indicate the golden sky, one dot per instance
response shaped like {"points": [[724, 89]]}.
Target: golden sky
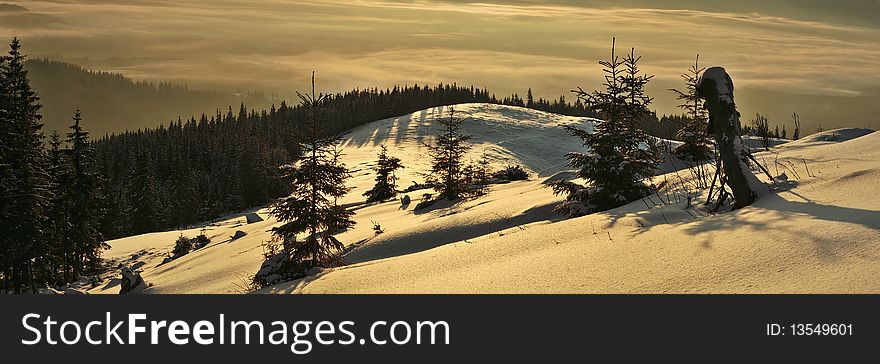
{"points": [[820, 58]]}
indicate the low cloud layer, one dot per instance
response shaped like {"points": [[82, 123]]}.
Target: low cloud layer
{"points": [[507, 46]]}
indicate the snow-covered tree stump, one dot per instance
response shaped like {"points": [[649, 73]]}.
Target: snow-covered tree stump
{"points": [[716, 88]]}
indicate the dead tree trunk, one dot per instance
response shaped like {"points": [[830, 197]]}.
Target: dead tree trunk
{"points": [[716, 88]]}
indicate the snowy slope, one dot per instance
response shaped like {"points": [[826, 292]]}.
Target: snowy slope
{"points": [[506, 135], [820, 234]]}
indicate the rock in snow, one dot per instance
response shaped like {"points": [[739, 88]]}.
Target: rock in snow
{"points": [[253, 217], [131, 281]]}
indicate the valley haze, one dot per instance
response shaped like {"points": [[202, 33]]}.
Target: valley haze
{"points": [[816, 58]]}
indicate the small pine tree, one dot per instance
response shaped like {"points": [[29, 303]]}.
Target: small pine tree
{"points": [[761, 127], [784, 134], [616, 163], [386, 181], [447, 154], [696, 146], [182, 246], [316, 181], [797, 126], [482, 171]]}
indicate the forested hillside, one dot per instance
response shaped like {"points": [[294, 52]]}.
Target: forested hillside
{"points": [[196, 170], [115, 103]]}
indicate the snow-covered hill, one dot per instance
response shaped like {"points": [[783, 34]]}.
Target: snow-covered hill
{"points": [[820, 233], [506, 135]]}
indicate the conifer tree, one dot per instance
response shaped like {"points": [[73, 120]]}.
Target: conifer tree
{"points": [[57, 226], [81, 194], [761, 127], [447, 154], [316, 181], [186, 202], [616, 162], [696, 147], [144, 196], [27, 191], [386, 181], [482, 171]]}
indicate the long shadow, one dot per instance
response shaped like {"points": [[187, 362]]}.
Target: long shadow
{"points": [[381, 132], [403, 124], [827, 247], [867, 218], [294, 285], [408, 244], [112, 283]]}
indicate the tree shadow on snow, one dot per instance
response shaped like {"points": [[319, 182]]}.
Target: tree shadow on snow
{"points": [[393, 246], [775, 209]]}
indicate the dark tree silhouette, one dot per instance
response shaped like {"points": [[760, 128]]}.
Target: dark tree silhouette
{"points": [[696, 146], [617, 160], [447, 158], [26, 192], [80, 189], [316, 181], [386, 181]]}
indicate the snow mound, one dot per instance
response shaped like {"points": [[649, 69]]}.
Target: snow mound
{"points": [[837, 135], [507, 135], [829, 136]]}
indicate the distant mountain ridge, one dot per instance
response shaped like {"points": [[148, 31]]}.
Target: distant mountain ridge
{"points": [[112, 103]]}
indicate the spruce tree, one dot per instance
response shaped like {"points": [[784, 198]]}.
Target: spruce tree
{"points": [[447, 154], [144, 196], [27, 191], [482, 171], [81, 193], [7, 137], [386, 181], [57, 227], [696, 146], [761, 127], [617, 161], [186, 199], [317, 180]]}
